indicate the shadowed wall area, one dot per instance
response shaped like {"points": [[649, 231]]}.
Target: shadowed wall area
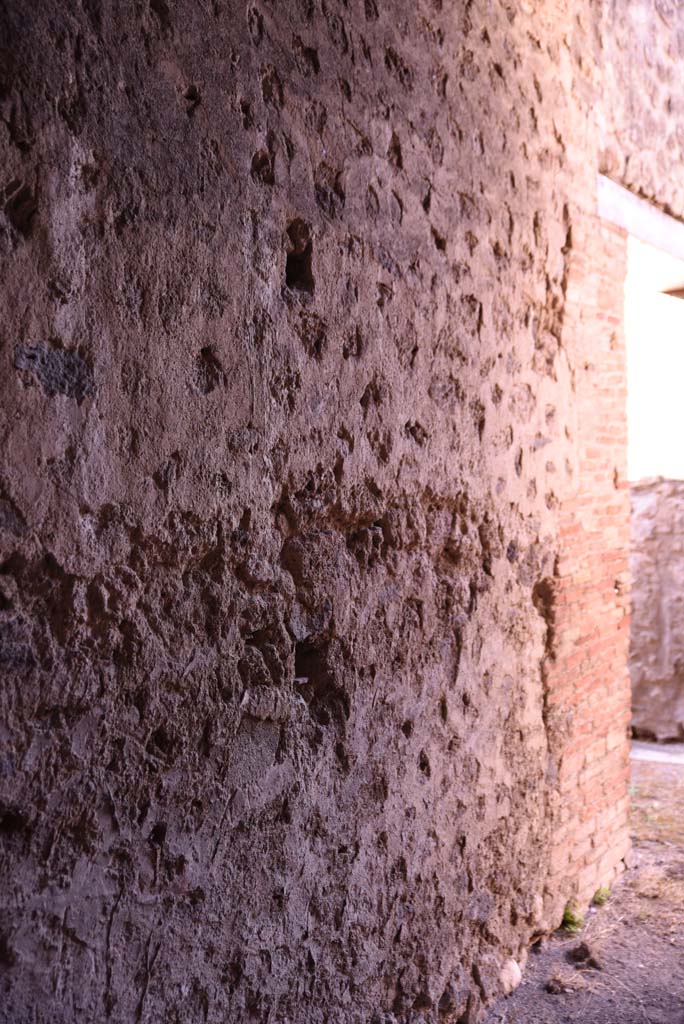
{"points": [[312, 505], [656, 655]]}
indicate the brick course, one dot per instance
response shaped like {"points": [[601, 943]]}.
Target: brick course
{"points": [[586, 674]]}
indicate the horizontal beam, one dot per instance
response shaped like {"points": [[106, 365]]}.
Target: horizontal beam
{"points": [[639, 217]]}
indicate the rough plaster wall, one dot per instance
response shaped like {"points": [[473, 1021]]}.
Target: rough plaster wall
{"points": [[285, 406], [281, 311], [657, 632]]}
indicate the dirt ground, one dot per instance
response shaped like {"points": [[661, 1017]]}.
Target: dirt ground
{"points": [[631, 967]]}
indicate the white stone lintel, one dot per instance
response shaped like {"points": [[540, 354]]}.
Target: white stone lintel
{"points": [[639, 217]]}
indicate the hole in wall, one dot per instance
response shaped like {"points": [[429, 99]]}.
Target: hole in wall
{"points": [[298, 265], [157, 836], [192, 99], [316, 678], [262, 168], [208, 370]]}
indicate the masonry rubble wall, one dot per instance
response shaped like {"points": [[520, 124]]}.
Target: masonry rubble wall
{"points": [[312, 511], [657, 645]]}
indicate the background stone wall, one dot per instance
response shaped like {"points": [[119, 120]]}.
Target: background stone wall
{"points": [[657, 636], [638, 48], [292, 410]]}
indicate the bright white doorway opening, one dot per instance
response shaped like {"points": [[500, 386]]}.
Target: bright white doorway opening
{"points": [[654, 331]]}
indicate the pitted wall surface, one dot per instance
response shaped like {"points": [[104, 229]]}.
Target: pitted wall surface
{"points": [[288, 422], [638, 49]]}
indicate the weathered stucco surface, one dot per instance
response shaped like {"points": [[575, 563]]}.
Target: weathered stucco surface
{"points": [[287, 422], [657, 631]]}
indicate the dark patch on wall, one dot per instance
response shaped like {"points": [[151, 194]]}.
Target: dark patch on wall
{"points": [[57, 371], [298, 266], [20, 205]]}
